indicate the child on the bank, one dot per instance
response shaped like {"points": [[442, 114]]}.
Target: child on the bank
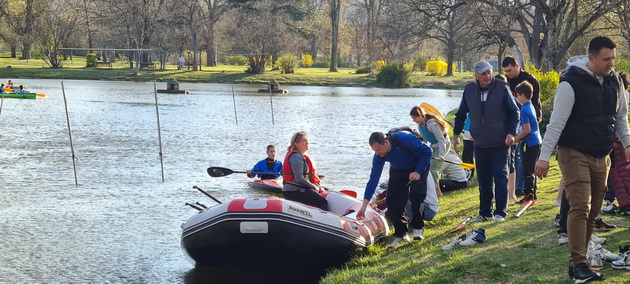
{"points": [[433, 130], [530, 136]]}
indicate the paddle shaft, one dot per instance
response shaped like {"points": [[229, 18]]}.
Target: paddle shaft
{"points": [[207, 194]]}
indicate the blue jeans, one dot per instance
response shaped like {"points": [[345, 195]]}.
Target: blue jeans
{"points": [[492, 175]]}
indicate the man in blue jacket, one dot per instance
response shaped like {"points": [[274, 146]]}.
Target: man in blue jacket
{"points": [[494, 117], [409, 161]]}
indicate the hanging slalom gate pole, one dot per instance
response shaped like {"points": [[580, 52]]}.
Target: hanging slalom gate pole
{"points": [[271, 100], [157, 112], [1, 102], [234, 102], [74, 158]]}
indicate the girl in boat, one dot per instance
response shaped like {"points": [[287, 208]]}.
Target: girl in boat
{"points": [[301, 182]]}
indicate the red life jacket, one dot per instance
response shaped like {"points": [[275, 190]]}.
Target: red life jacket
{"points": [[287, 173]]}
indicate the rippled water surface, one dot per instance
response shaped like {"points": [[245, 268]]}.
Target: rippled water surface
{"points": [[121, 224]]}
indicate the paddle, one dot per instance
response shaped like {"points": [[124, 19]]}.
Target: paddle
{"points": [[433, 111], [221, 172], [41, 95], [463, 165]]}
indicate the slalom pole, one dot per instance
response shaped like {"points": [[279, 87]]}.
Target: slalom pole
{"points": [[157, 112], [234, 102], [271, 100], [74, 158], [1, 102]]}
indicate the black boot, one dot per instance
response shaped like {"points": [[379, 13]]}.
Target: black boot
{"points": [[583, 273]]}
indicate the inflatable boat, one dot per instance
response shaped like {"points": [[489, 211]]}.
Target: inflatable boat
{"points": [[273, 232], [270, 185]]}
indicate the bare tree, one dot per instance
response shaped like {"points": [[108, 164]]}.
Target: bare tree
{"points": [[450, 21], [335, 11], [211, 11], [257, 31], [59, 27], [551, 27]]}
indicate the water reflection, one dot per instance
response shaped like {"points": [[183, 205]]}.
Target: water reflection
{"points": [[122, 225]]}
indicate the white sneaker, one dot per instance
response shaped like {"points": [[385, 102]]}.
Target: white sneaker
{"points": [[417, 234], [563, 239], [477, 236], [454, 242], [597, 240], [480, 218], [398, 241], [623, 262], [499, 218]]}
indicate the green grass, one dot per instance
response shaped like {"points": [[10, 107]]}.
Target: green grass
{"points": [[519, 250], [76, 70]]}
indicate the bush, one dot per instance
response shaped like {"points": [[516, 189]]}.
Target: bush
{"points": [[622, 65], [419, 63], [237, 60], [363, 70], [549, 82], [380, 65], [90, 60], [287, 63], [437, 67], [393, 75], [307, 60], [322, 64]]}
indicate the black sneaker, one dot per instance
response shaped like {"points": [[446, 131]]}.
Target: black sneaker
{"points": [[571, 272], [582, 274], [602, 226]]}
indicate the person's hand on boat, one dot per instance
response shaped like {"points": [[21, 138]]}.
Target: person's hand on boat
{"points": [[414, 176], [361, 212]]}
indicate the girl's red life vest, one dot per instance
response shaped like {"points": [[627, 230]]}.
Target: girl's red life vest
{"points": [[287, 173]]}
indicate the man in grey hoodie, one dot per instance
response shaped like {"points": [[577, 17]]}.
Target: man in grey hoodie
{"points": [[590, 107]]}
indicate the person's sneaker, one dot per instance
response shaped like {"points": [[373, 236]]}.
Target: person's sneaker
{"points": [[455, 242], [594, 257], [597, 240], [519, 192], [602, 226], [609, 208], [556, 221], [606, 255], [480, 218], [571, 272], [476, 236], [582, 274], [623, 262], [563, 238], [526, 198], [417, 234], [498, 218], [398, 241]]}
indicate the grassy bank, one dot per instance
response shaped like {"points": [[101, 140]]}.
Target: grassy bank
{"points": [[518, 250], [13, 69]]}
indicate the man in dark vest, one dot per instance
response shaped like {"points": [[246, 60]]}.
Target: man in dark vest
{"points": [[494, 117], [590, 107]]}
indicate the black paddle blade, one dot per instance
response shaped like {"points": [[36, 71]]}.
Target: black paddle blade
{"points": [[219, 172]]}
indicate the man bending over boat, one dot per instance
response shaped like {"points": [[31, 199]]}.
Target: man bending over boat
{"points": [[301, 183], [268, 165], [409, 161]]}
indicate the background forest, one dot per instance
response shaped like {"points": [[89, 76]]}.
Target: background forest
{"points": [[324, 33]]}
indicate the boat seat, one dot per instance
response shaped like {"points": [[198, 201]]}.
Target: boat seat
{"points": [[340, 203]]}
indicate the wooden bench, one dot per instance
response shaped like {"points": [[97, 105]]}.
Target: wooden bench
{"points": [[104, 64], [147, 65]]}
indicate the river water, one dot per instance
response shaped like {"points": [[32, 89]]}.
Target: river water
{"points": [[121, 224]]}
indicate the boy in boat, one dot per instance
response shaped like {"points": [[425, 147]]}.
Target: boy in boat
{"points": [[409, 161], [21, 90], [268, 165]]}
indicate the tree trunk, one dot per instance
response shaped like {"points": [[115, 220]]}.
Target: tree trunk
{"points": [[195, 49], [211, 53], [314, 48], [28, 29], [13, 52], [335, 7]]}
